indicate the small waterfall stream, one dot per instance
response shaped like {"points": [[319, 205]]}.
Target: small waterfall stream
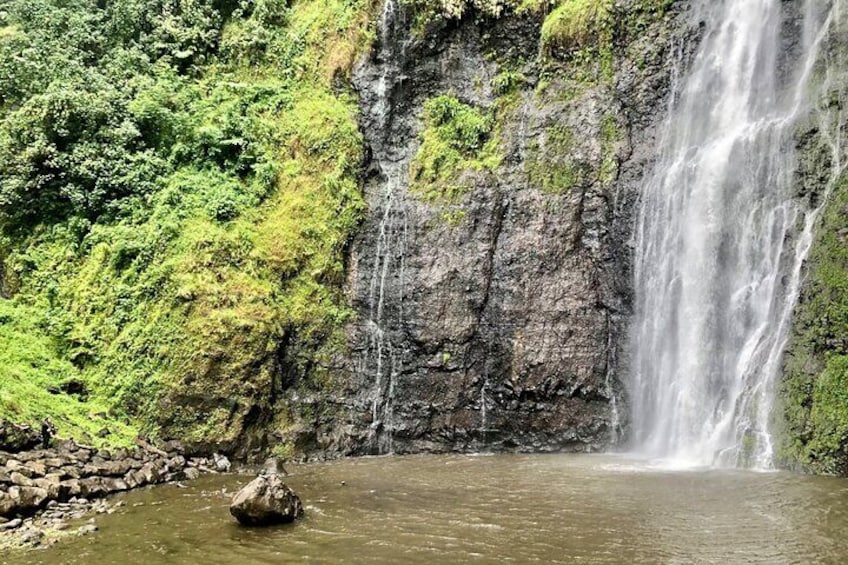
{"points": [[721, 237], [386, 285]]}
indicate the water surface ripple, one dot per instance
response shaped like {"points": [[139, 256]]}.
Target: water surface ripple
{"points": [[484, 509]]}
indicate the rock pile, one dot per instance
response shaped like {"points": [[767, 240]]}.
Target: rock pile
{"points": [[54, 523], [30, 480]]}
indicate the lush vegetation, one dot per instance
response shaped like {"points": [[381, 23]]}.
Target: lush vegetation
{"points": [[178, 182], [427, 13], [456, 138], [815, 389], [576, 24]]}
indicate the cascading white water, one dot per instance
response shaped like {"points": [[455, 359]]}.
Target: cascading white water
{"points": [[720, 239]]}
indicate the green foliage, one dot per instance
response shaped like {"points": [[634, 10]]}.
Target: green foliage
{"points": [[178, 182], [508, 82], [428, 12], [829, 414], [584, 38], [576, 24], [456, 138], [70, 151], [814, 392], [32, 369]]}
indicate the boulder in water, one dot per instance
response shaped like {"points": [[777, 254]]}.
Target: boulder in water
{"points": [[222, 464], [274, 466], [191, 473], [264, 501]]}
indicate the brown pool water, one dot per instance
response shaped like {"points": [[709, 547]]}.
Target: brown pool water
{"points": [[483, 509]]}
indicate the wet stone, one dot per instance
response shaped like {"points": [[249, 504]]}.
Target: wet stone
{"points": [[11, 524], [32, 536], [7, 505], [191, 473], [28, 498], [265, 501]]}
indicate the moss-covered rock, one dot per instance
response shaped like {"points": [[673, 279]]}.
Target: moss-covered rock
{"points": [[456, 138], [576, 24], [814, 391]]}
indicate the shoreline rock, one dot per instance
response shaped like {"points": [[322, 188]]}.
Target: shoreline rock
{"points": [[15, 438], [41, 488]]}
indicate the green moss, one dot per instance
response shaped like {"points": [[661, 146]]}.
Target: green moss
{"points": [[429, 13], [576, 24], [31, 382], [814, 391], [641, 15], [550, 164], [554, 165], [829, 414], [581, 39], [456, 138]]}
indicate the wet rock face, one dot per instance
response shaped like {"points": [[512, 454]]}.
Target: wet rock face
{"points": [[265, 501], [501, 330]]}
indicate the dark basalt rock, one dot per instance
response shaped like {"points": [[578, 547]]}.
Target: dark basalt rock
{"points": [[499, 330], [265, 501], [32, 480]]}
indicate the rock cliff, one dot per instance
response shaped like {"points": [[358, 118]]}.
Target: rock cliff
{"points": [[491, 309]]}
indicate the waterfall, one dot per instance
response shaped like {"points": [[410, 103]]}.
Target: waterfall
{"points": [[721, 236]]}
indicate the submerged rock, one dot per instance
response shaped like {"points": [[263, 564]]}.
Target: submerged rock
{"points": [[264, 501], [191, 473]]}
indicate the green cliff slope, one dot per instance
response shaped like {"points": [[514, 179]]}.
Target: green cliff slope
{"points": [[178, 182]]}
